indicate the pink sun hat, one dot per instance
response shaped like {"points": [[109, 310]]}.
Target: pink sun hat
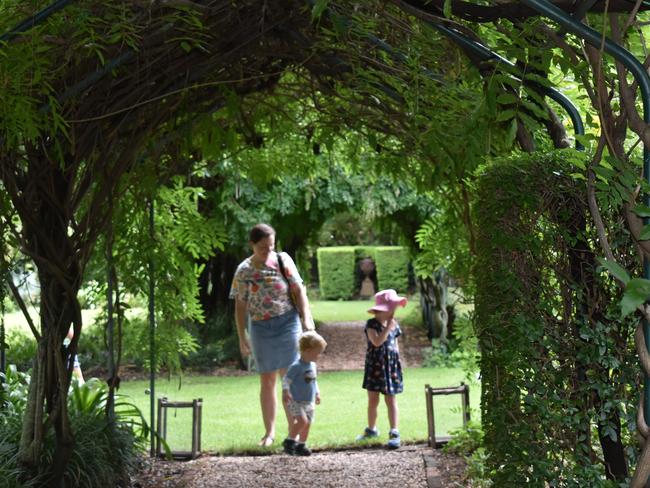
{"points": [[387, 301]]}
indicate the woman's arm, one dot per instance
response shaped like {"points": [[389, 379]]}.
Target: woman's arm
{"points": [[302, 303], [241, 310], [297, 290]]}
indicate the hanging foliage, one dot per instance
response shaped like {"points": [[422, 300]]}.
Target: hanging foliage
{"points": [[557, 357]]}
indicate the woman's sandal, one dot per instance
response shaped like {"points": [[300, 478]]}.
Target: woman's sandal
{"points": [[266, 441]]}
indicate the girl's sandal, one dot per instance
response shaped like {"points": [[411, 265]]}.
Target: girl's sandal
{"points": [[266, 441]]}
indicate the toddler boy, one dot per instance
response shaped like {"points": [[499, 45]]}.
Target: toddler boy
{"points": [[300, 393]]}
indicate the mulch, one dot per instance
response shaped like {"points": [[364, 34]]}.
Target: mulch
{"points": [[346, 346]]}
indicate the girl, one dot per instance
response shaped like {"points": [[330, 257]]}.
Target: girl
{"points": [[383, 371]]}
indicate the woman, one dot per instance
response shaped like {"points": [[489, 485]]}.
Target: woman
{"points": [[263, 288]]}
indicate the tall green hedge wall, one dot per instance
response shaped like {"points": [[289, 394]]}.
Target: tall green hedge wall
{"points": [[336, 269], [336, 272], [392, 268]]}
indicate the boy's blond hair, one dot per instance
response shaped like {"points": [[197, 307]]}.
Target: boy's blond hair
{"points": [[310, 340]]}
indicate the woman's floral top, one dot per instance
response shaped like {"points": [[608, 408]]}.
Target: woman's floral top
{"points": [[263, 288]]}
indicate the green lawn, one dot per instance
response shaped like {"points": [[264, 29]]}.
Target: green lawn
{"points": [[16, 320], [323, 311], [346, 311], [232, 420]]}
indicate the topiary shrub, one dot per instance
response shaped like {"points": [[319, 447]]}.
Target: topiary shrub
{"points": [[392, 267], [339, 277], [336, 271]]}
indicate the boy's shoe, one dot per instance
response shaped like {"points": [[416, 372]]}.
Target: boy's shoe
{"points": [[301, 450], [393, 439], [289, 446], [368, 433]]}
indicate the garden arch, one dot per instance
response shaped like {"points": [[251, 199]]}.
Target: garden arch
{"points": [[144, 121]]}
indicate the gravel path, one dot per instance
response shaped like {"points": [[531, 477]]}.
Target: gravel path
{"points": [[403, 468]]}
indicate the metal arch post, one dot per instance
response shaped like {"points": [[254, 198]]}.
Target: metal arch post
{"points": [[34, 20], [594, 38], [152, 335]]}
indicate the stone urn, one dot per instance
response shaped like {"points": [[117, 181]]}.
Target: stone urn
{"points": [[367, 266]]}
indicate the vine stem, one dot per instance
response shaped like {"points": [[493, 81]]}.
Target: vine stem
{"points": [[642, 472]]}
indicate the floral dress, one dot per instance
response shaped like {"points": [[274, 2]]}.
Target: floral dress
{"points": [[383, 371]]}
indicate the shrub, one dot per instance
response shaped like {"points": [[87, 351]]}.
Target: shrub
{"points": [[173, 342], [104, 454], [461, 351], [465, 440], [392, 268], [21, 349], [92, 350], [336, 271], [213, 354]]}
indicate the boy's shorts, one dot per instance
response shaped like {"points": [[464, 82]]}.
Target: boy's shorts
{"points": [[298, 409]]}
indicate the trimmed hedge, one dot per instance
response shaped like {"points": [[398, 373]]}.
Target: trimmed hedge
{"points": [[392, 267], [336, 272], [337, 265]]}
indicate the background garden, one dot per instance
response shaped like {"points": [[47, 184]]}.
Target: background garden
{"points": [[140, 141]]}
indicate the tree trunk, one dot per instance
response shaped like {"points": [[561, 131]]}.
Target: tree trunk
{"points": [[46, 225], [214, 284]]}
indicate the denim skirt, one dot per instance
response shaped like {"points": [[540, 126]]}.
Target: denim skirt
{"points": [[275, 341]]}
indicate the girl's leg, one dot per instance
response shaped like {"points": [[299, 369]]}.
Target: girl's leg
{"points": [[373, 403], [268, 401], [393, 411]]}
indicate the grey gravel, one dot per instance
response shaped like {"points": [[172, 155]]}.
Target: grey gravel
{"points": [[403, 468]]}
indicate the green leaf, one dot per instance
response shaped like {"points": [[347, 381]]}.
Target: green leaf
{"points": [[585, 139], [446, 9], [645, 233], [615, 269], [512, 131], [637, 292], [318, 9], [642, 210], [507, 98], [505, 115]]}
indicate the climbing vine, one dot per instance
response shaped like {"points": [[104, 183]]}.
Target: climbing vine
{"points": [[559, 372]]}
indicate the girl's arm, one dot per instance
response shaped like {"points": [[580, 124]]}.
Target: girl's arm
{"points": [[378, 338]]}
